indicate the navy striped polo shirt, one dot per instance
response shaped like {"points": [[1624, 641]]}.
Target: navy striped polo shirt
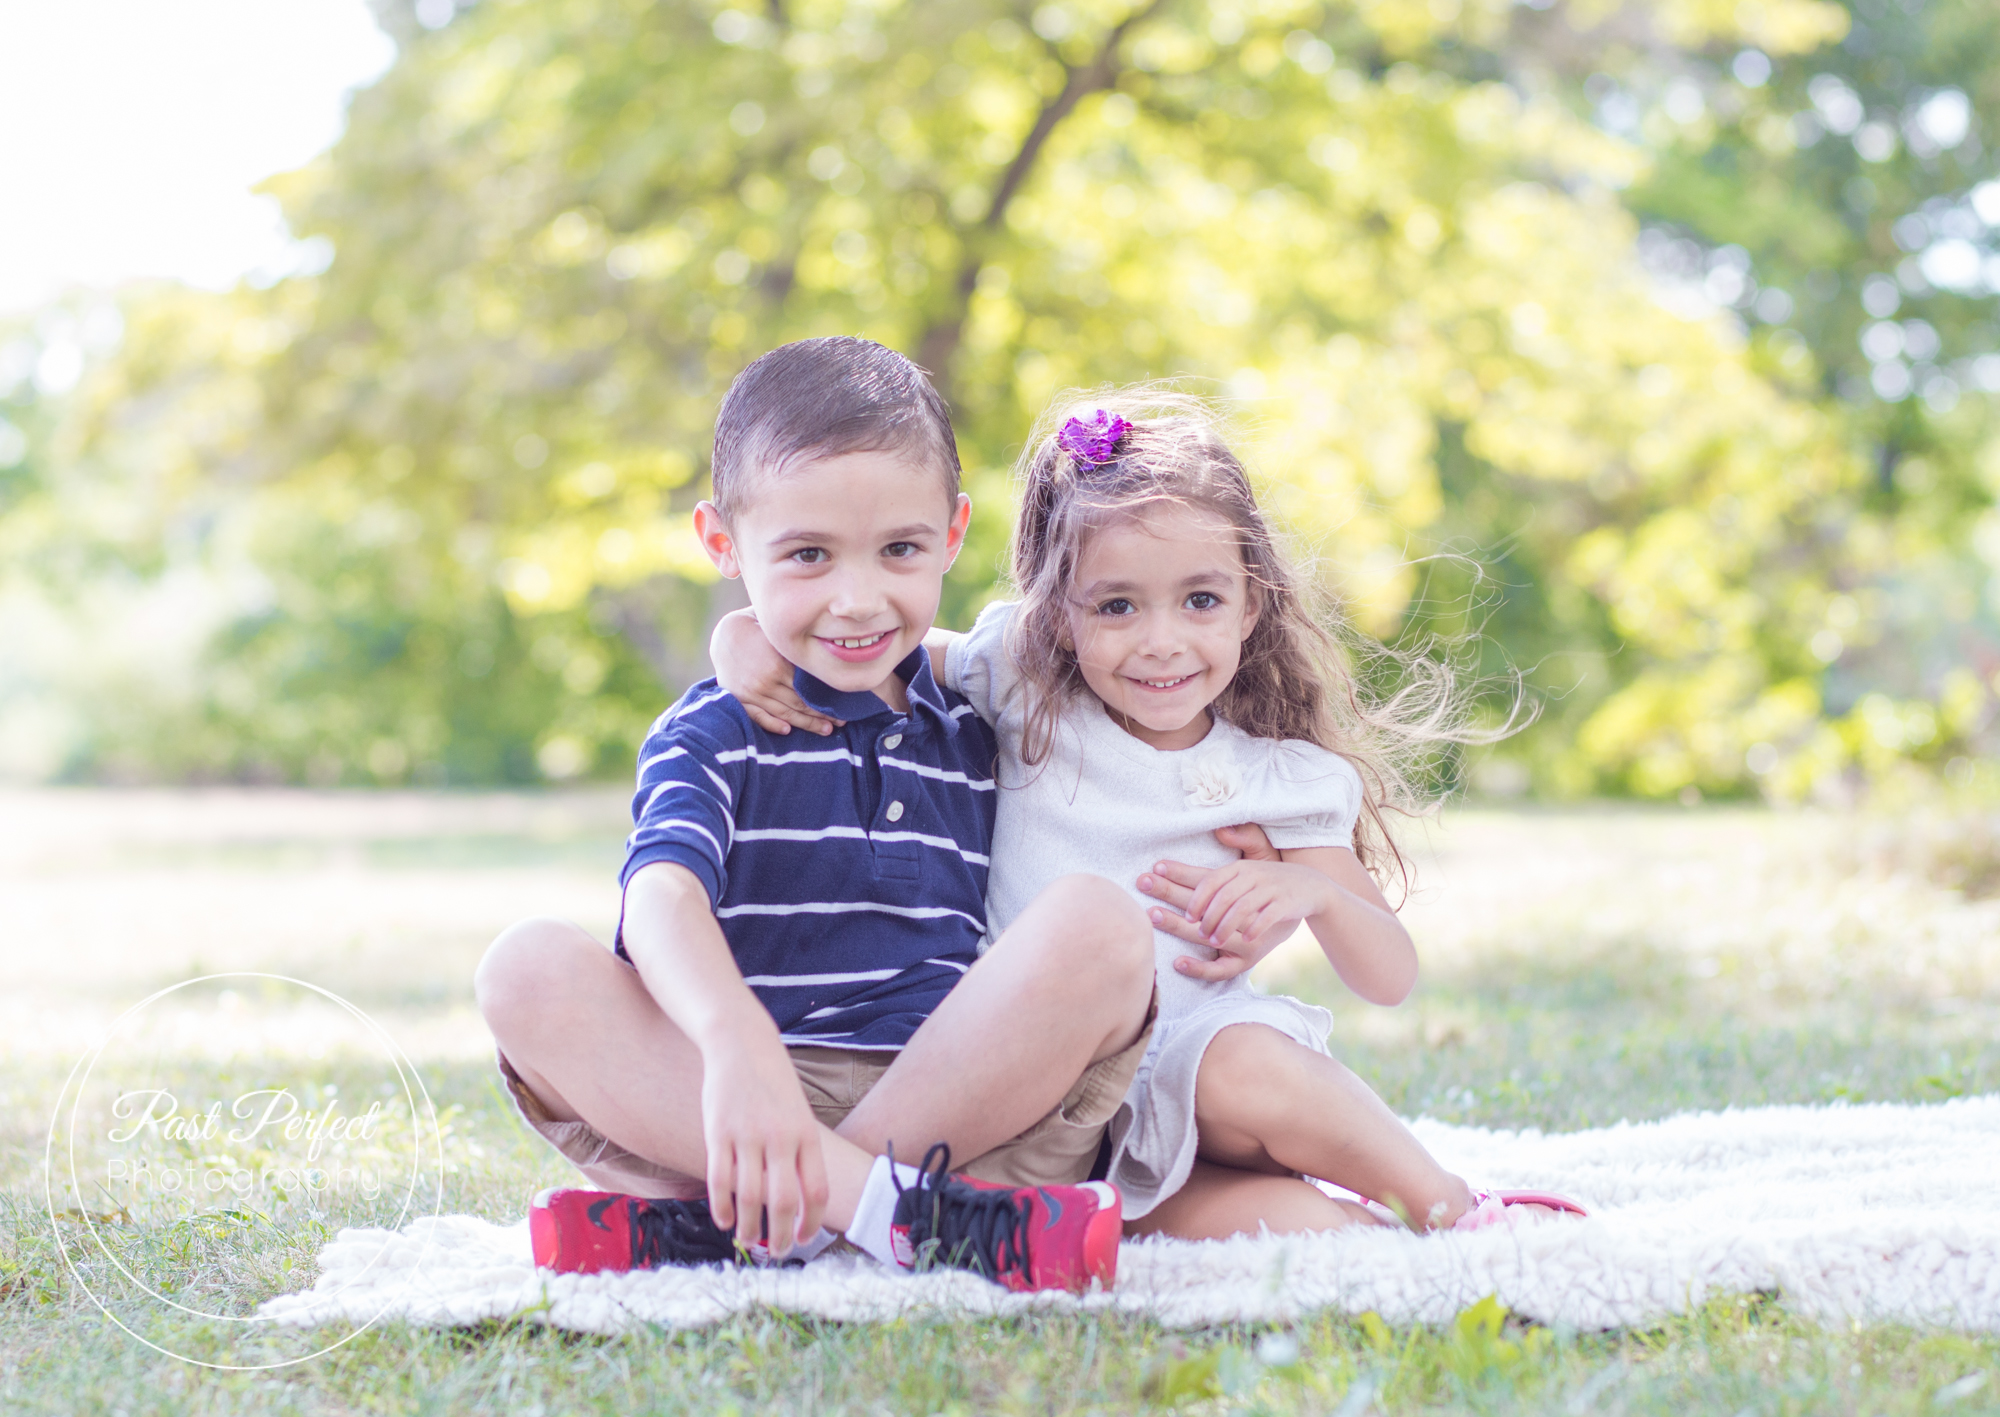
{"points": [[848, 872]]}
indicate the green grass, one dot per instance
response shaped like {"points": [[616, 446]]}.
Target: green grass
{"points": [[1558, 1003]]}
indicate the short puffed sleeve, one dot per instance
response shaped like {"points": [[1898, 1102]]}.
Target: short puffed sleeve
{"points": [[1322, 796], [978, 665]]}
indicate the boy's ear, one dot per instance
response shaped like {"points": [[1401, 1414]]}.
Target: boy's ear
{"points": [[716, 540], [954, 536]]}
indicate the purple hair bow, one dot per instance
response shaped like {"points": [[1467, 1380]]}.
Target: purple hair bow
{"points": [[1095, 443]]}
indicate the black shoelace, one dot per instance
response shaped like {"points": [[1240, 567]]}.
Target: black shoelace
{"points": [[959, 1225], [677, 1232]]}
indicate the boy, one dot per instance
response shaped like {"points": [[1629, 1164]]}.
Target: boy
{"points": [[798, 986]]}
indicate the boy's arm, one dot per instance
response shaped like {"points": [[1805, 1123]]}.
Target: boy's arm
{"points": [[762, 1139]]}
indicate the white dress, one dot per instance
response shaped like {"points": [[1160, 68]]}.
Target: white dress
{"points": [[1137, 805]]}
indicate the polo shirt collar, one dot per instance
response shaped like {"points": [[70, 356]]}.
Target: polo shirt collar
{"points": [[926, 697]]}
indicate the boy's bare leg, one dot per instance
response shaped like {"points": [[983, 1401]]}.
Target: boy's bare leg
{"points": [[587, 1038], [1066, 986], [1220, 1201], [1264, 1103]]}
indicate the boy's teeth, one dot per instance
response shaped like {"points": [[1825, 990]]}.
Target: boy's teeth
{"points": [[860, 643]]}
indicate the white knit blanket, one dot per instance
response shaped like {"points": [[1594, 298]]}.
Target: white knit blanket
{"points": [[1882, 1212]]}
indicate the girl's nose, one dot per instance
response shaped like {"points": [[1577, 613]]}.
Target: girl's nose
{"points": [[1159, 639]]}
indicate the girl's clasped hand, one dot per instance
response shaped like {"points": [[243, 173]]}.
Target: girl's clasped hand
{"points": [[1241, 911]]}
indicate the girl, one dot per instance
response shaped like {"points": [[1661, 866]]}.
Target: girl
{"points": [[1158, 684]]}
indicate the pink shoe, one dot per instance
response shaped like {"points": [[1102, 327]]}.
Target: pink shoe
{"points": [[1490, 1207]]}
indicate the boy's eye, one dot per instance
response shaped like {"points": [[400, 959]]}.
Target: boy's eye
{"points": [[1204, 600], [1118, 606], [899, 550], [809, 555]]}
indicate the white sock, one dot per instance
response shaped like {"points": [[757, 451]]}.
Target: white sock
{"points": [[804, 1252], [876, 1209], [813, 1246]]}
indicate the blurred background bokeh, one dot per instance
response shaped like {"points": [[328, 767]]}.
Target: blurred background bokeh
{"points": [[1650, 350]]}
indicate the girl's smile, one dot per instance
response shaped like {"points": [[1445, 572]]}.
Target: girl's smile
{"points": [[1161, 610]]}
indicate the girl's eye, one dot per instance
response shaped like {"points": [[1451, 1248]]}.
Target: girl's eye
{"points": [[1204, 600], [809, 555], [1120, 606]]}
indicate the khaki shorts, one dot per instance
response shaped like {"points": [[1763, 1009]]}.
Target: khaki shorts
{"points": [[1060, 1149]]}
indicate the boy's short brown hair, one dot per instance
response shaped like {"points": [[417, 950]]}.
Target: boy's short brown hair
{"points": [[822, 398]]}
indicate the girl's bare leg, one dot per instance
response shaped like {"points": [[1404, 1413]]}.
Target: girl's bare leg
{"points": [[1220, 1201], [1265, 1103]]}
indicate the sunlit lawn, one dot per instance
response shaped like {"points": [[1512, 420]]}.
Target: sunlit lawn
{"points": [[1580, 967]]}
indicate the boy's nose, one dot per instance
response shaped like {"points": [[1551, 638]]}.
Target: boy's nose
{"points": [[857, 596]]}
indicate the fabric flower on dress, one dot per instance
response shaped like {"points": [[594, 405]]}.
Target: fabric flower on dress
{"points": [[1210, 780]]}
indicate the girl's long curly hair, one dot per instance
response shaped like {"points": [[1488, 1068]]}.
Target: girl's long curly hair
{"points": [[1298, 676]]}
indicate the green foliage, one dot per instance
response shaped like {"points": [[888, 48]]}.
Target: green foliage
{"points": [[446, 480]]}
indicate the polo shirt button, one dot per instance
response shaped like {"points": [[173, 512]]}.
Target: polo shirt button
{"points": [[895, 812], [894, 740]]}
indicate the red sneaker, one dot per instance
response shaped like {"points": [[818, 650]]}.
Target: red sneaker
{"points": [[1031, 1237], [583, 1232]]}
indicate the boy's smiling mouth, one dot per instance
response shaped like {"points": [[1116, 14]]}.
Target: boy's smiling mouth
{"points": [[858, 648]]}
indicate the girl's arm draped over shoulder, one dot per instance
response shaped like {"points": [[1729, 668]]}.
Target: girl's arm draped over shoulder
{"points": [[976, 664], [939, 643], [760, 678]]}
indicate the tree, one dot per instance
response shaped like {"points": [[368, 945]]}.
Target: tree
{"points": [[557, 230]]}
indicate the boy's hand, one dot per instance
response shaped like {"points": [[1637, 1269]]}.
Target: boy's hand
{"points": [[760, 677], [1249, 842], [765, 1168]]}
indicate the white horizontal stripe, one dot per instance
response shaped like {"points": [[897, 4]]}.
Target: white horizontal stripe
{"points": [[961, 711], [685, 709], [827, 755], [875, 976], [842, 1041], [665, 787], [659, 758], [943, 843], [800, 834], [849, 907], [977, 784], [660, 829], [801, 981]]}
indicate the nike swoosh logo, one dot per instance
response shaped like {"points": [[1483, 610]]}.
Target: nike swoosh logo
{"points": [[597, 1209], [1055, 1210]]}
